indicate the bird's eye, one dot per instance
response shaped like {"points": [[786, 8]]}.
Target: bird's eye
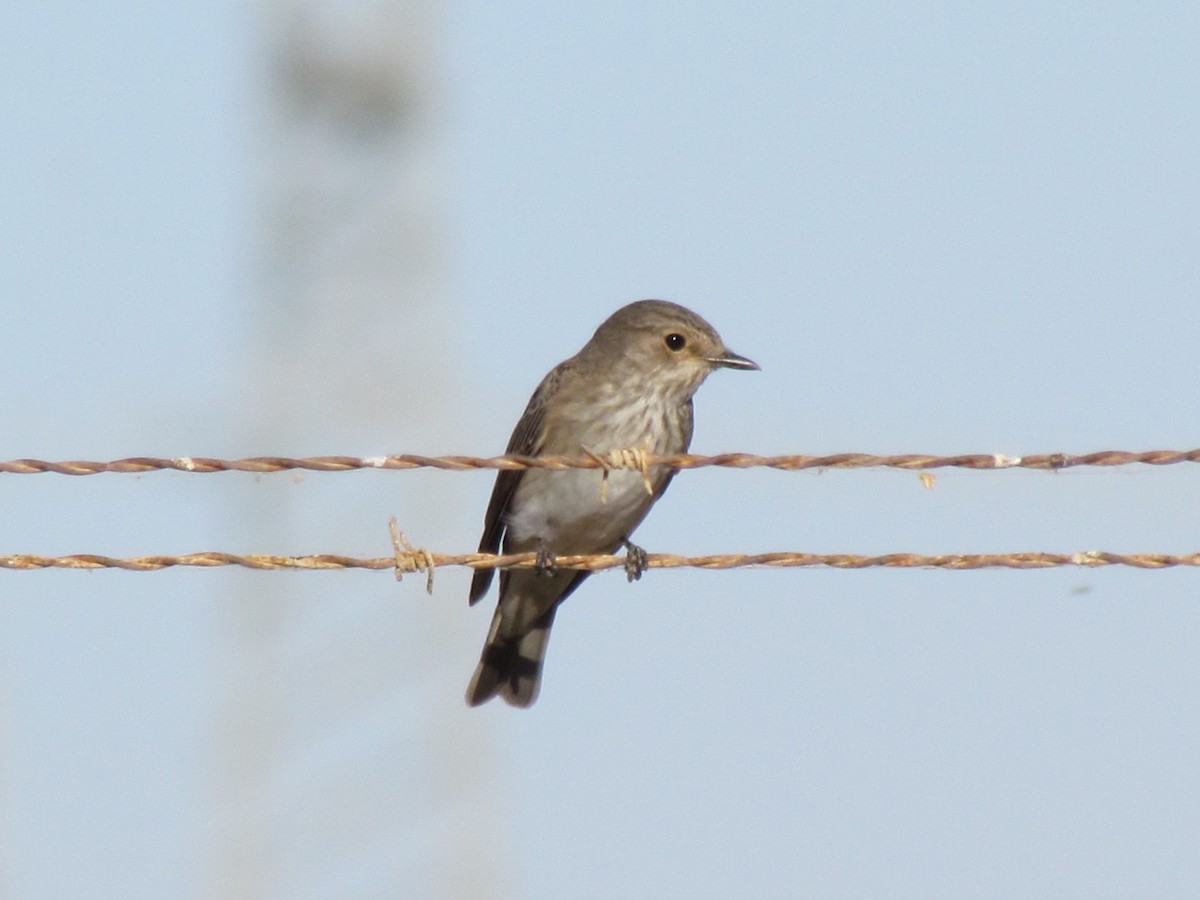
{"points": [[676, 342]]}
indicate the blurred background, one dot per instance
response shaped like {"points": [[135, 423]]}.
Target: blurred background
{"points": [[363, 228]]}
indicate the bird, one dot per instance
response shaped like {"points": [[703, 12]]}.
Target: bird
{"points": [[629, 388]]}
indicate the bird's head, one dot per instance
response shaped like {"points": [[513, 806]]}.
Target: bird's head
{"points": [[665, 344]]}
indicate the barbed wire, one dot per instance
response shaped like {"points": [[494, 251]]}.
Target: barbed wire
{"points": [[415, 560], [138, 465], [406, 559]]}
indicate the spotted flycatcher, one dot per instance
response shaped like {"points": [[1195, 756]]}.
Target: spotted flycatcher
{"points": [[629, 388]]}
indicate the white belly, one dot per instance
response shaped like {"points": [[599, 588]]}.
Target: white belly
{"points": [[568, 512]]}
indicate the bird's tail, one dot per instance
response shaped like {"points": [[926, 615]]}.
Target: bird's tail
{"points": [[511, 667]]}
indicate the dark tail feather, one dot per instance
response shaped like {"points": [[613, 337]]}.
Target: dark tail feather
{"points": [[511, 667]]}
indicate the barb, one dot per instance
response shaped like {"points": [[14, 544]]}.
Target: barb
{"points": [[427, 561], [138, 465], [408, 558]]}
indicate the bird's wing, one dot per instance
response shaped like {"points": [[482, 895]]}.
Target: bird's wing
{"points": [[526, 440]]}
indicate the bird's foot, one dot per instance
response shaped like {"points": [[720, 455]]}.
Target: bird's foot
{"points": [[636, 561], [545, 563]]}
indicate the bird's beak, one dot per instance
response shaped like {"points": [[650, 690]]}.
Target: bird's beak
{"points": [[731, 360]]}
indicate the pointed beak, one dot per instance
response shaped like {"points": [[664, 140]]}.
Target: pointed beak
{"points": [[731, 360]]}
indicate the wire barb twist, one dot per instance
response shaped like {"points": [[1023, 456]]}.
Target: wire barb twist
{"points": [[409, 559]]}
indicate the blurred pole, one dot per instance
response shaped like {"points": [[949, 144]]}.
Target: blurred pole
{"points": [[349, 763]]}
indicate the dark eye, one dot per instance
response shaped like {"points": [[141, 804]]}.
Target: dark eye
{"points": [[676, 342]]}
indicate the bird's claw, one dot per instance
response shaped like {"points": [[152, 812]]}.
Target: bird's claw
{"points": [[545, 562], [636, 561]]}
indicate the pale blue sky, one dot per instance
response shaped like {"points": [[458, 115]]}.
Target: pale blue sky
{"points": [[937, 227]]}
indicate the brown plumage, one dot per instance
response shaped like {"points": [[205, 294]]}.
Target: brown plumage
{"points": [[630, 387]]}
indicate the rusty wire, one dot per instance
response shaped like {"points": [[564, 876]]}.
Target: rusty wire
{"points": [[407, 559], [421, 561], [911, 461]]}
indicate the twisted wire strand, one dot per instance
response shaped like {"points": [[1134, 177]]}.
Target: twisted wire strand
{"points": [[138, 465], [423, 561]]}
